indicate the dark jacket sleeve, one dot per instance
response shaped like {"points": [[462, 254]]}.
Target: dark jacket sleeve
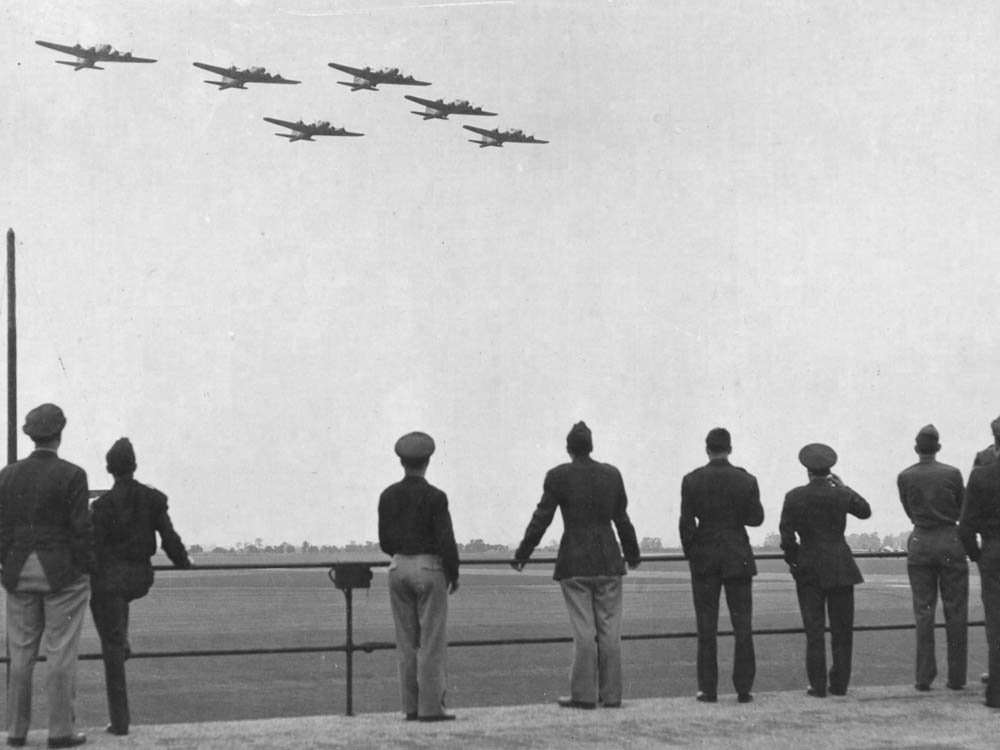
{"points": [[539, 522], [626, 531], [386, 528], [970, 520], [858, 506], [755, 512], [170, 540], [789, 542], [688, 523], [82, 530], [444, 536]]}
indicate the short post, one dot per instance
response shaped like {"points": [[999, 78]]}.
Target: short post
{"points": [[347, 577]]}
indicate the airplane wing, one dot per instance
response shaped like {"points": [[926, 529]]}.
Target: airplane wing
{"points": [[125, 58], [525, 139], [277, 79], [406, 81], [483, 131], [356, 72], [426, 102], [286, 124], [75, 51], [234, 74]]}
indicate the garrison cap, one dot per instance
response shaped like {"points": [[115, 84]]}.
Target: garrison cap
{"points": [[44, 422], [121, 458], [718, 439], [817, 456], [415, 445], [580, 439], [995, 426], [928, 437]]}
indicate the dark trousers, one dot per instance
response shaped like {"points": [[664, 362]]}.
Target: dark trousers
{"points": [[990, 582], [739, 599], [936, 562], [816, 604], [110, 611]]}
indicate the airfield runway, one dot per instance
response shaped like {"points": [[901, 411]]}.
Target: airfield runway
{"points": [[206, 609]]}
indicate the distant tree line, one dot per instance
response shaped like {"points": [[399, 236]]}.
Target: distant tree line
{"points": [[870, 542], [306, 547]]}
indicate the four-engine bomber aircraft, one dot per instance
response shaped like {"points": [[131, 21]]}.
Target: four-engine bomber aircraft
{"points": [[366, 78], [88, 57], [305, 132], [238, 78], [440, 109], [498, 137]]}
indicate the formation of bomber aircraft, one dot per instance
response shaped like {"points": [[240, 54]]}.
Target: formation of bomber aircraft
{"points": [[366, 78]]}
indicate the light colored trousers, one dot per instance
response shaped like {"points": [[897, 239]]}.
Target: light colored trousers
{"points": [[418, 593], [936, 562], [595, 615], [59, 617]]}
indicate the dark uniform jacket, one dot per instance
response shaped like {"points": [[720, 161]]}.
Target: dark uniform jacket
{"points": [[931, 493], [43, 509], [817, 513], [591, 496], [413, 519], [981, 516], [127, 519], [718, 502], [987, 455]]}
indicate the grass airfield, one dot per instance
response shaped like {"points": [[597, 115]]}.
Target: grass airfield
{"points": [[209, 609]]}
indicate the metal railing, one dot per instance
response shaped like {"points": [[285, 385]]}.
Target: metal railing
{"points": [[348, 576]]}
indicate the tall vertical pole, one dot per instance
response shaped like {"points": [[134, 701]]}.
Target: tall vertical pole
{"points": [[11, 353]]}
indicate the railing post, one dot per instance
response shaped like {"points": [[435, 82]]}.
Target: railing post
{"points": [[347, 577]]}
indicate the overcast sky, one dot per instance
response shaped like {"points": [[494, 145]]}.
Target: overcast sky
{"points": [[774, 216]]}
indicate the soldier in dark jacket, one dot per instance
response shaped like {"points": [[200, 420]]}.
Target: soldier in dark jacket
{"points": [[812, 537], [980, 519], [931, 493], [589, 565], [990, 453], [46, 549], [414, 526], [718, 502], [126, 519]]}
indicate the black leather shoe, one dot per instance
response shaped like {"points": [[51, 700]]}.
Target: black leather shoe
{"points": [[923, 687], [618, 704], [953, 686], [16, 741], [570, 703], [117, 731], [815, 692], [838, 692], [437, 717], [706, 697], [71, 740], [744, 698], [412, 716]]}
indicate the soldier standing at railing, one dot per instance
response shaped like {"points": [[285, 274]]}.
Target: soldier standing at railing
{"points": [[823, 567], [931, 493], [981, 518], [46, 546], [127, 519], [414, 526], [718, 502], [589, 566]]}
